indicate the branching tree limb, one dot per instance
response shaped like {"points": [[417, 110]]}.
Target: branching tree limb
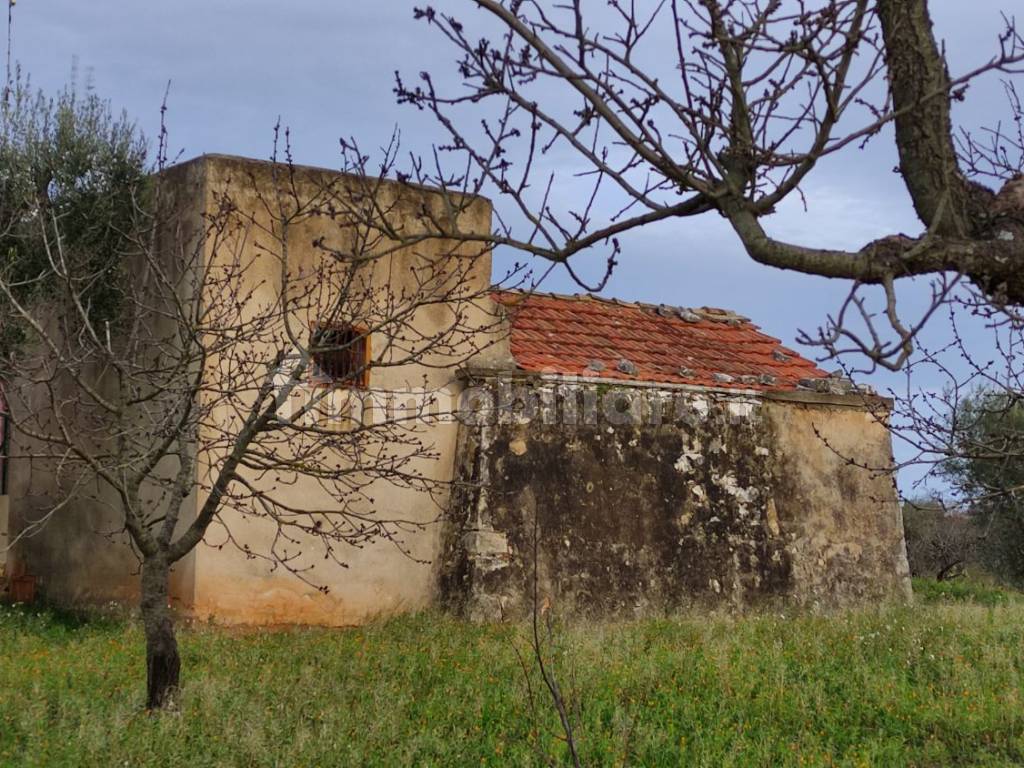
{"points": [[685, 107]]}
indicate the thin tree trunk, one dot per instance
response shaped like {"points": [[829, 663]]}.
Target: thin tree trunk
{"points": [[163, 665], [949, 571]]}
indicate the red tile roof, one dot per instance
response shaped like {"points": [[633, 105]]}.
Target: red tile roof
{"points": [[604, 338]]}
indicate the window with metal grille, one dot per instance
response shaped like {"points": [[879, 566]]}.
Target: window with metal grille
{"points": [[341, 356]]}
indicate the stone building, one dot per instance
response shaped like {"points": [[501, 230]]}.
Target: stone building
{"points": [[647, 458], [626, 458]]}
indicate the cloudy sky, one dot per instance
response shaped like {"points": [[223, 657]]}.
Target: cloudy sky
{"points": [[326, 69]]}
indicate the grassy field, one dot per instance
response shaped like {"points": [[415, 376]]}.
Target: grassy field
{"points": [[937, 684]]}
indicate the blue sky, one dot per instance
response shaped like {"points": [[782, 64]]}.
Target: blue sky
{"points": [[326, 69]]}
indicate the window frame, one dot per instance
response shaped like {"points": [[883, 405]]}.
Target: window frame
{"points": [[317, 378]]}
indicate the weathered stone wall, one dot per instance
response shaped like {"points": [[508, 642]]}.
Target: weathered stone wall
{"points": [[639, 500]]}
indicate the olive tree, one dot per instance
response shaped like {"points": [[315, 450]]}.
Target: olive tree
{"points": [[985, 468]]}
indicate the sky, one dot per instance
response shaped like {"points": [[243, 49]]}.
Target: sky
{"points": [[326, 70]]}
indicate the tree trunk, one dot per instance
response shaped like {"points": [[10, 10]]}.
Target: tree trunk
{"points": [[919, 85], [163, 665], [948, 572]]}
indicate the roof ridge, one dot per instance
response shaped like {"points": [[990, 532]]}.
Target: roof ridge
{"points": [[726, 314]]}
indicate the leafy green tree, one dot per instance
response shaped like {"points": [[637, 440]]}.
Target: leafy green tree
{"points": [[986, 469], [68, 165]]}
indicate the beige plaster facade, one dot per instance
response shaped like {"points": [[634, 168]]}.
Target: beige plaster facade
{"points": [[78, 559], [836, 500], [378, 578]]}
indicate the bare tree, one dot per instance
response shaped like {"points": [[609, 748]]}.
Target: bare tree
{"points": [[966, 432], [687, 107], [681, 108], [940, 542], [226, 368], [543, 651]]}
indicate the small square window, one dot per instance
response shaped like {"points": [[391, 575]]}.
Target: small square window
{"points": [[341, 356]]}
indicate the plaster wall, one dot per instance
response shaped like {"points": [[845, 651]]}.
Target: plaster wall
{"points": [[377, 577]]}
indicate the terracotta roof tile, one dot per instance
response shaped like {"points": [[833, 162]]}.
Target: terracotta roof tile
{"points": [[589, 336]]}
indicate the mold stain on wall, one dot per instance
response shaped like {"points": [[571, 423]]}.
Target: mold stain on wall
{"points": [[655, 500]]}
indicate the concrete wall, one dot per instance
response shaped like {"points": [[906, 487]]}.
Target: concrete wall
{"points": [[640, 500]]}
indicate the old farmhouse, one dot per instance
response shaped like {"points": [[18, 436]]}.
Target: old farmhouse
{"points": [[625, 457]]}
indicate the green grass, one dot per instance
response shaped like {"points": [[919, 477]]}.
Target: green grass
{"points": [[937, 684], [969, 590]]}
